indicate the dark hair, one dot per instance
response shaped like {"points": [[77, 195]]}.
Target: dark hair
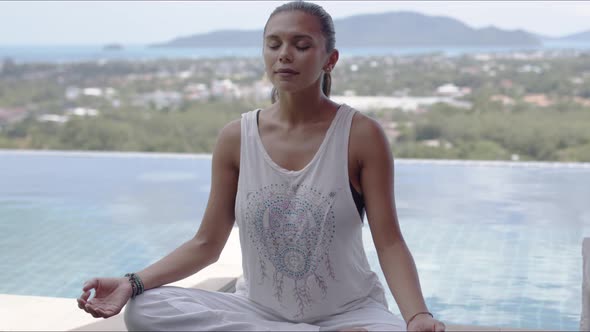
{"points": [[327, 26]]}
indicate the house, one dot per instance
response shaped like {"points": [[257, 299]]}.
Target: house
{"points": [[196, 91], [504, 100], [538, 99], [225, 89], [53, 118], [93, 92], [81, 111], [160, 100], [582, 101], [12, 115], [448, 90]]}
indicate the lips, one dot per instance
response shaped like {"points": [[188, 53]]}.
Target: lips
{"points": [[286, 71]]}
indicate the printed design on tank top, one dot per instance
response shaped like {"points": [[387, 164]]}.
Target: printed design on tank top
{"points": [[292, 227]]}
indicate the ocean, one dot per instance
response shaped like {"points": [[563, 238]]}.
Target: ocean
{"points": [[79, 53]]}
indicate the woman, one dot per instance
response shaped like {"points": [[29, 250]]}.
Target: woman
{"points": [[297, 178]]}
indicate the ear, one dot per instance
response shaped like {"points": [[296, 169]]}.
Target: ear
{"points": [[332, 60]]}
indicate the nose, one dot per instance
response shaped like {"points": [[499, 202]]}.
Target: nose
{"points": [[284, 56]]}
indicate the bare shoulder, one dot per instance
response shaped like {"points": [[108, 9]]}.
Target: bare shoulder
{"points": [[364, 126], [227, 147], [231, 131], [367, 137]]}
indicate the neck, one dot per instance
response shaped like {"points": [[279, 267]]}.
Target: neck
{"points": [[303, 106]]}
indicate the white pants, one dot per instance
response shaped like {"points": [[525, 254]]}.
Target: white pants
{"points": [[184, 309]]}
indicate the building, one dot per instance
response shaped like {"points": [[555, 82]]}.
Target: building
{"points": [[408, 104], [540, 100], [504, 100], [12, 115], [82, 111]]}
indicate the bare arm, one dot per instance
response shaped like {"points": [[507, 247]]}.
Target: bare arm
{"points": [[376, 174], [206, 246]]}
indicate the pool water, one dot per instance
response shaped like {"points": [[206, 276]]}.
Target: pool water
{"points": [[494, 244]]}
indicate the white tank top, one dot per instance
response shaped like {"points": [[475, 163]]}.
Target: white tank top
{"points": [[300, 231]]}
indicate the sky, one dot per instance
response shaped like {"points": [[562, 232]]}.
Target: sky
{"points": [[144, 22]]}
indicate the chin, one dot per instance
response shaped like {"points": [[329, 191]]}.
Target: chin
{"points": [[291, 87], [287, 87]]}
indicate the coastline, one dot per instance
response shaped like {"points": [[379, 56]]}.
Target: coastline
{"points": [[140, 52], [402, 161]]}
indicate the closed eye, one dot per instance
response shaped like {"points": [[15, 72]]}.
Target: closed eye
{"points": [[302, 49]]}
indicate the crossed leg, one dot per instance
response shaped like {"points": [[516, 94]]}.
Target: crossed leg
{"points": [[370, 315], [184, 309]]}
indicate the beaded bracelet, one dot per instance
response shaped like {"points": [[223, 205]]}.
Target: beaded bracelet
{"points": [[136, 284], [419, 313]]}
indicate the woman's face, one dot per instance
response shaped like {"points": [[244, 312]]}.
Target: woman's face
{"points": [[294, 51]]}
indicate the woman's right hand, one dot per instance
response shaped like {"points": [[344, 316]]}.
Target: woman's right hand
{"points": [[110, 296]]}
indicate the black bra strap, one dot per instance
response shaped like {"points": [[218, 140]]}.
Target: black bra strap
{"points": [[258, 118]]}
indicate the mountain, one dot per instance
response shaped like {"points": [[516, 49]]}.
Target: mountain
{"points": [[413, 29], [387, 29], [580, 37], [544, 38]]}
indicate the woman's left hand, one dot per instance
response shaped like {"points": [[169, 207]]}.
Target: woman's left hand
{"points": [[426, 323]]}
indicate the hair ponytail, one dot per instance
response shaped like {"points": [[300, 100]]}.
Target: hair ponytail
{"points": [[327, 84], [274, 95]]}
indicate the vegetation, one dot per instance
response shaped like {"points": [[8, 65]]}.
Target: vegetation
{"points": [[130, 119], [495, 135], [192, 131]]}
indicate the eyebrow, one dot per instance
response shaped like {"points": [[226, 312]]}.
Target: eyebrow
{"points": [[294, 37]]}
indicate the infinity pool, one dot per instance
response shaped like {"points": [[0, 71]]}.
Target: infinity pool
{"points": [[494, 244]]}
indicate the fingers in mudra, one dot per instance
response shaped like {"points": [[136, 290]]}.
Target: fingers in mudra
{"points": [[109, 297], [104, 308]]}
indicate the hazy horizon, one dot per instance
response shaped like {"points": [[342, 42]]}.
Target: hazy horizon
{"points": [[146, 22]]}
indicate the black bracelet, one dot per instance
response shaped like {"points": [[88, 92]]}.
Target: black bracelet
{"points": [[419, 313], [136, 284], [133, 289]]}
